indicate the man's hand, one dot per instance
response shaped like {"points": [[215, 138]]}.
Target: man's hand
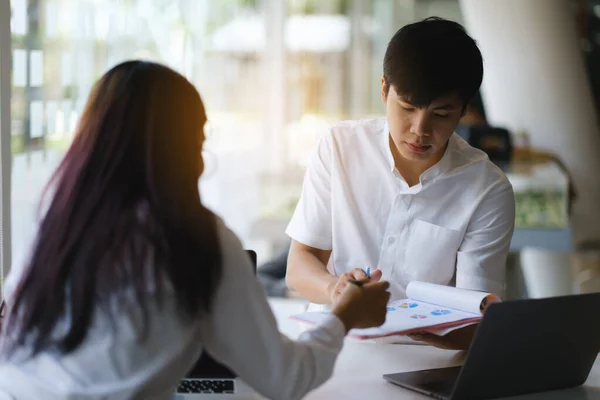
{"points": [[459, 339], [335, 289]]}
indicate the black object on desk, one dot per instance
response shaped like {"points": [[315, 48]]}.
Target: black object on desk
{"points": [[521, 347], [494, 141]]}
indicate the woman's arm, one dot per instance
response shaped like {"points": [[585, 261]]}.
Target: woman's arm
{"points": [[242, 333]]}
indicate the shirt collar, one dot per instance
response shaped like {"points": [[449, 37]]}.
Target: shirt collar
{"points": [[432, 173]]}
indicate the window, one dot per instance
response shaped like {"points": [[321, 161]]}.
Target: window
{"points": [[4, 143], [272, 74]]}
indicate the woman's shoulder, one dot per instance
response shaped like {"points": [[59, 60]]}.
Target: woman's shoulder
{"points": [[233, 254], [227, 238]]}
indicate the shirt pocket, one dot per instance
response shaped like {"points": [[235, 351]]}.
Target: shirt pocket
{"points": [[430, 255]]}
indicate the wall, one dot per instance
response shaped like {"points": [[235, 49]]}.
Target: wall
{"points": [[535, 80]]}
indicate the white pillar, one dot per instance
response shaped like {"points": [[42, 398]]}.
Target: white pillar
{"points": [[535, 79]]}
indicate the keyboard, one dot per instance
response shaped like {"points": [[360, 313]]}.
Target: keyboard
{"points": [[206, 386]]}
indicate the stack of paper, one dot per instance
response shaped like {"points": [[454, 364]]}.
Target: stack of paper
{"points": [[429, 308]]}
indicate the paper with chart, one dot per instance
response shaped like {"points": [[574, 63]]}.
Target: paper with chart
{"points": [[470, 301], [433, 308]]}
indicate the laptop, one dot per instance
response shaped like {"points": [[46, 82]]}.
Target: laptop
{"points": [[211, 379], [521, 347]]}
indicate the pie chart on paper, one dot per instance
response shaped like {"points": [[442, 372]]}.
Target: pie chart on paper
{"points": [[408, 305]]}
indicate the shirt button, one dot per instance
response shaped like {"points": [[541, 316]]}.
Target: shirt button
{"points": [[391, 240]]}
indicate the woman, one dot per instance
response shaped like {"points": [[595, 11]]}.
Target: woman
{"points": [[131, 278]]}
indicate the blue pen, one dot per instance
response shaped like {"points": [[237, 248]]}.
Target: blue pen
{"points": [[369, 272]]}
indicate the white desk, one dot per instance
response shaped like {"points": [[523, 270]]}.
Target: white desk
{"points": [[358, 372]]}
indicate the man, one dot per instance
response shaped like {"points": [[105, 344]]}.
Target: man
{"points": [[404, 195]]}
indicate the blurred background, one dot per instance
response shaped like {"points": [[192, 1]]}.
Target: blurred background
{"points": [[275, 73]]}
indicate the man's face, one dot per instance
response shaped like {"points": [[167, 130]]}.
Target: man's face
{"points": [[421, 134]]}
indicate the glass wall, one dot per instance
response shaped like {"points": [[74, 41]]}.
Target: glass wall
{"points": [[5, 154], [273, 75]]}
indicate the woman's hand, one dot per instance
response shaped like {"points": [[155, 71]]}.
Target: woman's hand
{"points": [[363, 305]]}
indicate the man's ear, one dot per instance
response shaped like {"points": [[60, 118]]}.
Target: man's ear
{"points": [[464, 110], [384, 90]]}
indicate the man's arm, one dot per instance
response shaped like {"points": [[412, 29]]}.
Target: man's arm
{"points": [[481, 259], [310, 230], [308, 277], [312, 237], [307, 273]]}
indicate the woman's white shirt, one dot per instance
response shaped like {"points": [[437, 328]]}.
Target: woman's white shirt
{"points": [[241, 332]]}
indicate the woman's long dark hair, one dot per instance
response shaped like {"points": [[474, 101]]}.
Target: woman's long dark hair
{"points": [[125, 207]]}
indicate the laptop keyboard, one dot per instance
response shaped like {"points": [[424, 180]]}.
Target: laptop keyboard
{"points": [[206, 386]]}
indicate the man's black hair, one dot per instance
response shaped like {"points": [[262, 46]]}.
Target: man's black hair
{"points": [[432, 58]]}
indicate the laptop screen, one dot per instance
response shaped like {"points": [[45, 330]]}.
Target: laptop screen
{"points": [[207, 367]]}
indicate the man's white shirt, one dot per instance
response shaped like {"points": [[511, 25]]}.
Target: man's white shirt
{"points": [[454, 226]]}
